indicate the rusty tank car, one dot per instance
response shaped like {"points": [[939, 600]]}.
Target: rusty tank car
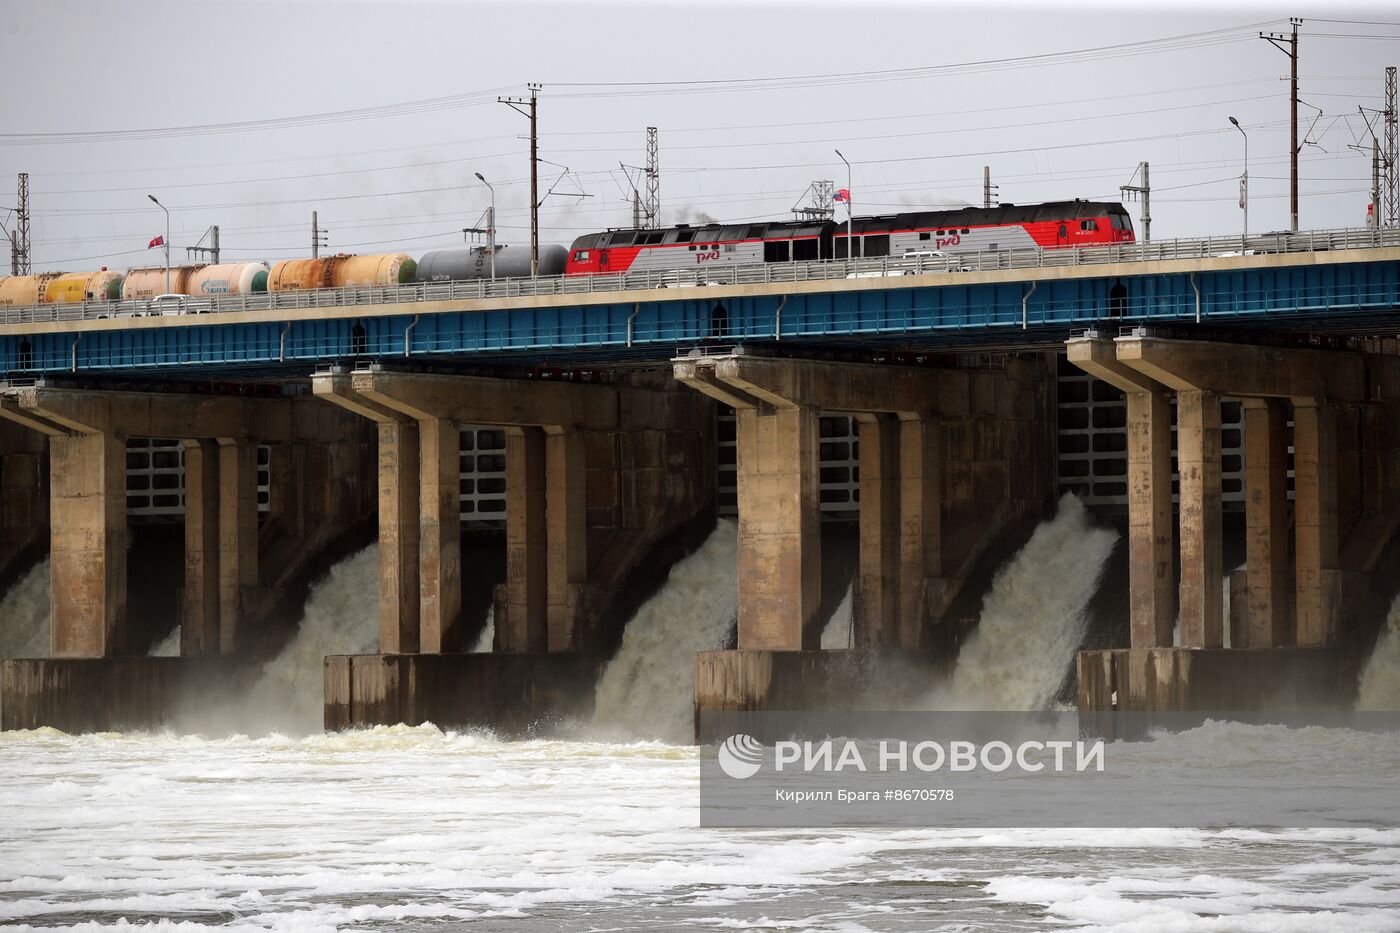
{"points": [[341, 271]]}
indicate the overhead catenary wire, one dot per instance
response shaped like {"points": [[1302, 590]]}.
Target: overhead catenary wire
{"points": [[477, 98], [706, 147], [1096, 53], [441, 189]]}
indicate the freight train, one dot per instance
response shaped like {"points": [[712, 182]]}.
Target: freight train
{"points": [[1048, 226]]}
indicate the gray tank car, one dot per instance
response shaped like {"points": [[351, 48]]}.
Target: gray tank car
{"points": [[449, 265]]}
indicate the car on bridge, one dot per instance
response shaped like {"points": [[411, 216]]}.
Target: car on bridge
{"points": [[916, 262]]}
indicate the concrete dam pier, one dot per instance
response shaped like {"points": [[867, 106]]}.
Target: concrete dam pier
{"points": [[953, 463], [1322, 506], [601, 480], [238, 560]]}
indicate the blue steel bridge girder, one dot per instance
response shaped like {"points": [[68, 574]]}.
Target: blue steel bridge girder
{"points": [[947, 311]]}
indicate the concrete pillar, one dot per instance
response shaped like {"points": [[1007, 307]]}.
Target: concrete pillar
{"points": [[877, 582], [1268, 623], [87, 483], [398, 537], [526, 623], [238, 538], [440, 536], [1198, 465], [1151, 531], [779, 537], [199, 627], [920, 527], [1315, 505], [566, 536]]}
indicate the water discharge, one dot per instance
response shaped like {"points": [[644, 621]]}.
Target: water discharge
{"points": [[169, 646], [24, 615], [837, 634], [487, 639], [341, 617], [648, 689], [1034, 618], [1380, 678]]}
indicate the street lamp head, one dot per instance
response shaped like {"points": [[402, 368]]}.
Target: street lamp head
{"points": [[153, 198], [1234, 121], [480, 178]]}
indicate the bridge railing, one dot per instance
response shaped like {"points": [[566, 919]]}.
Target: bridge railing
{"points": [[994, 313], [756, 273]]}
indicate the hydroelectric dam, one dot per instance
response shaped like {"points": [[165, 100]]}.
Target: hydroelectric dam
{"points": [[541, 453]]}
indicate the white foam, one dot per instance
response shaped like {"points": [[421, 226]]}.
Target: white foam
{"points": [[413, 825]]}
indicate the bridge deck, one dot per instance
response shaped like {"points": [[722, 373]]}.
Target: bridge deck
{"points": [[1334, 290]]}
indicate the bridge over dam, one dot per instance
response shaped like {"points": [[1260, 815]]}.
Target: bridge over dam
{"points": [[551, 447]]}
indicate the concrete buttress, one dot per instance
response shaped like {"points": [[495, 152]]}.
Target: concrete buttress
{"points": [[199, 634], [1198, 465], [1267, 619]]}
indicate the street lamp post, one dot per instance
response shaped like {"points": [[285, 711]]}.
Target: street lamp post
{"points": [[1244, 181], [166, 241], [850, 210], [490, 225]]}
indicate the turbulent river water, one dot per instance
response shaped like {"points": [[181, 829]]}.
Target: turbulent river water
{"points": [[406, 828]]}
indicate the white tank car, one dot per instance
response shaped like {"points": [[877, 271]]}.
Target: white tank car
{"points": [[230, 278]]}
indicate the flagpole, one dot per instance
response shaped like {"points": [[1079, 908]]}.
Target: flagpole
{"points": [[167, 241], [850, 211]]}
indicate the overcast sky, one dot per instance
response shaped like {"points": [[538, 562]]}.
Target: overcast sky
{"points": [[135, 88]]}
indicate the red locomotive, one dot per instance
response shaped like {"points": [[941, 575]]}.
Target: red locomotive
{"points": [[964, 230]]}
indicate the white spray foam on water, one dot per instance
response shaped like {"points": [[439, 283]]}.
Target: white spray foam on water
{"points": [[1380, 678], [409, 828], [837, 633], [24, 615], [647, 690], [1034, 618]]}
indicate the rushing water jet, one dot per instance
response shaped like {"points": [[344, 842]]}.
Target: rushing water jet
{"points": [[1380, 678], [837, 633], [647, 690], [24, 615], [1033, 619]]}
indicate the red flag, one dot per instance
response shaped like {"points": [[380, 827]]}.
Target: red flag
{"points": [[158, 241], [842, 194]]}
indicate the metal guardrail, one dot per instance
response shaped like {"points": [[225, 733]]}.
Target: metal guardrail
{"points": [[989, 314], [992, 312], [756, 273]]}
